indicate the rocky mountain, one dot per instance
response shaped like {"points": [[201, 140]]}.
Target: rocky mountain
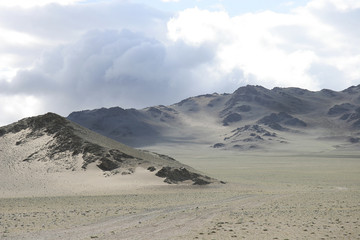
{"points": [[55, 144], [251, 117]]}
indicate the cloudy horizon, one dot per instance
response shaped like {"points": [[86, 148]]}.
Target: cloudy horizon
{"points": [[63, 56]]}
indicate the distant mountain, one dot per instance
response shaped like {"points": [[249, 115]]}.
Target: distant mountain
{"points": [[251, 117], [60, 145]]}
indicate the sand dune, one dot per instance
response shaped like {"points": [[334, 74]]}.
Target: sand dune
{"points": [[61, 176], [48, 155]]}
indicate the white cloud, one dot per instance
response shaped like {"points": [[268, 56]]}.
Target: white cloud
{"points": [[17, 106], [274, 49], [33, 3], [6, 73], [17, 38], [170, 0], [195, 26], [288, 4], [26, 33], [11, 42], [343, 5]]}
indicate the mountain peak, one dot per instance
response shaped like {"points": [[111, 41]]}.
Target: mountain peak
{"points": [[49, 122], [250, 89]]}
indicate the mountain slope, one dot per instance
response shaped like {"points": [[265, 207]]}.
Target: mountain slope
{"points": [[251, 117], [50, 144]]}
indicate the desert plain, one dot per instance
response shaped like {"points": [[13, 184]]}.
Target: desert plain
{"points": [[307, 189]]}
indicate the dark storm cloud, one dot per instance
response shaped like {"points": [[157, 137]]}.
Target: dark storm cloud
{"points": [[108, 68]]}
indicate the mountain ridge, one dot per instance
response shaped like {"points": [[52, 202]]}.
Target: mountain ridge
{"points": [[206, 118]]}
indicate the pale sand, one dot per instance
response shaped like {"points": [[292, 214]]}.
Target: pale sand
{"points": [[59, 177], [269, 195]]}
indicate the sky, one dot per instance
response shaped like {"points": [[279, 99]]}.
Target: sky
{"points": [[69, 55]]}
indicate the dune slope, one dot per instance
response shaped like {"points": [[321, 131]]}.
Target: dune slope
{"points": [[50, 155]]}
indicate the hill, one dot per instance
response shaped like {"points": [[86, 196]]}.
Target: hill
{"points": [[49, 151]]}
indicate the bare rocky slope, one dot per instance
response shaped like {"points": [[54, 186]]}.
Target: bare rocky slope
{"points": [[251, 117], [63, 146]]}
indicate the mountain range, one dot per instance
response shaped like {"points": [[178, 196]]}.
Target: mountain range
{"points": [[252, 117], [88, 147]]}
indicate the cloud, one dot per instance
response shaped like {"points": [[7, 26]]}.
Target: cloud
{"points": [[38, 41], [110, 68], [131, 55], [246, 42], [341, 5], [274, 49], [33, 3], [13, 106], [55, 23], [28, 31]]}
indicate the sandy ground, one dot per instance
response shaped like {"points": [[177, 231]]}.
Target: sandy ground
{"points": [[61, 176], [269, 195]]}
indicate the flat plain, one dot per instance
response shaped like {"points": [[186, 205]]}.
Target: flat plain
{"points": [[285, 193]]}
